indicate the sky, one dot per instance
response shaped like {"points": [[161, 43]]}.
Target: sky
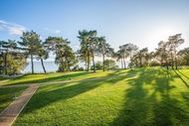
{"points": [[142, 22]]}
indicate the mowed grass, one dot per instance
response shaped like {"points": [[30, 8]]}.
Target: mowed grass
{"points": [[142, 97], [150, 96], [46, 78], [7, 95]]}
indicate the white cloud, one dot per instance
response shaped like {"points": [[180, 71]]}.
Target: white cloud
{"points": [[12, 28]]}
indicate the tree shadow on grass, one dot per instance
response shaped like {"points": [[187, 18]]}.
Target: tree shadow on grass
{"points": [[7, 95], [62, 92], [183, 74], [169, 110], [50, 94], [180, 76], [118, 76], [148, 101], [62, 77]]}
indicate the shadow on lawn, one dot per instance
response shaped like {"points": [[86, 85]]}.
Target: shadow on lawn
{"points": [[183, 74], [142, 106], [180, 76], [7, 95], [48, 79], [66, 91]]}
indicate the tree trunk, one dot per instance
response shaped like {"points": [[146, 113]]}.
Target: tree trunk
{"points": [[124, 63], [121, 63], [172, 65], [176, 64], [68, 65], [130, 62], [42, 64], [94, 69], [140, 62], [32, 68], [108, 66], [161, 62], [5, 63], [103, 61], [167, 66], [172, 61], [88, 61]]}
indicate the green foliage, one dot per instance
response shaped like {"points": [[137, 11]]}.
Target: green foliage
{"points": [[98, 66], [15, 63], [165, 55], [141, 58], [184, 56], [77, 68], [104, 49], [12, 60], [110, 64], [65, 57], [124, 52], [88, 43], [30, 42]]}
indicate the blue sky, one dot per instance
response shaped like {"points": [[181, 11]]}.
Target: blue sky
{"points": [[142, 22]]}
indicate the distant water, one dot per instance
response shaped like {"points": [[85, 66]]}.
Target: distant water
{"points": [[49, 65]]}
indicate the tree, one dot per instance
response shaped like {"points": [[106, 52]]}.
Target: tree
{"points": [[119, 55], [65, 57], [98, 66], [1, 57], [167, 52], [162, 54], [104, 49], [124, 54], [110, 64], [184, 56], [88, 43], [16, 61], [152, 59], [127, 51], [12, 61], [8, 46], [31, 43], [174, 42], [141, 58], [42, 54]]}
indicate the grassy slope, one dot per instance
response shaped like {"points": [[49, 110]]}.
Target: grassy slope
{"points": [[46, 78], [7, 95], [137, 98]]}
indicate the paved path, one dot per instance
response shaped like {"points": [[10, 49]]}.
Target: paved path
{"points": [[9, 115]]}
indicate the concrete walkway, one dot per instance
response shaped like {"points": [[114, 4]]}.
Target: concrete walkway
{"points": [[9, 115]]}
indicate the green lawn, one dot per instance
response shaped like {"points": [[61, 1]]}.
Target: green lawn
{"points": [[7, 95], [142, 97], [135, 98], [49, 77]]}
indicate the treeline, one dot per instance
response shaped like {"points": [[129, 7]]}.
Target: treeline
{"points": [[166, 55], [14, 54]]}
